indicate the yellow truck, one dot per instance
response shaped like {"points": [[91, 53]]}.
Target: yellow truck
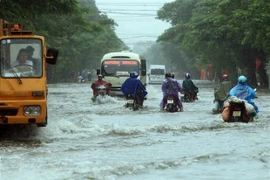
{"points": [[23, 81]]}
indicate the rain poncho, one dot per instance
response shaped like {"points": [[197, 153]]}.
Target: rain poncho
{"points": [[134, 86], [243, 91], [222, 92], [189, 86], [99, 83], [170, 87]]}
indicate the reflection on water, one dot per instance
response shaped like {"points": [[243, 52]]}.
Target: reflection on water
{"points": [[18, 132], [87, 140]]}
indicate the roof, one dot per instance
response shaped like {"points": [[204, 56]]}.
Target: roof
{"points": [[157, 66], [124, 54]]}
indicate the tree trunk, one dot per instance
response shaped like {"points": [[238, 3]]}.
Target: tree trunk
{"points": [[264, 83], [263, 76], [250, 63]]}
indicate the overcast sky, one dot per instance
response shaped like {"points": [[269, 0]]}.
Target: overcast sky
{"points": [[135, 18]]}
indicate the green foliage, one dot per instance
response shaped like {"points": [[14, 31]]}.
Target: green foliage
{"points": [[18, 10], [178, 12], [219, 32], [76, 28]]}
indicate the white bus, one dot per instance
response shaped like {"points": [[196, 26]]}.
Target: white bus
{"points": [[116, 67], [156, 74]]}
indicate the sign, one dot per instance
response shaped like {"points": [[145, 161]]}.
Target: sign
{"points": [[129, 62], [112, 62], [122, 62]]}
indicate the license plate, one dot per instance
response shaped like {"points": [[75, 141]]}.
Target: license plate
{"points": [[169, 101], [130, 101], [237, 113]]}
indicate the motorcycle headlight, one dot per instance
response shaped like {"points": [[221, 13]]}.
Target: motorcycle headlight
{"points": [[31, 110]]}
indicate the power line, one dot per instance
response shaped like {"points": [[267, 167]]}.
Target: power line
{"points": [[136, 20], [138, 12], [133, 36], [130, 4], [147, 10], [141, 14], [128, 12]]}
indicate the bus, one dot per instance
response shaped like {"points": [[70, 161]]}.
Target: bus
{"points": [[115, 68], [23, 82], [156, 74]]}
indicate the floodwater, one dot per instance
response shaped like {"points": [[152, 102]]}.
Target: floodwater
{"points": [[85, 140]]}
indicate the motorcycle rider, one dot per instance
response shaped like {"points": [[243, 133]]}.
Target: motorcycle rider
{"points": [[221, 93], [134, 86], [189, 88], [97, 83], [243, 91], [170, 86]]}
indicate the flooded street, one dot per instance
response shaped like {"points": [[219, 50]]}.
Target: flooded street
{"points": [[86, 140]]}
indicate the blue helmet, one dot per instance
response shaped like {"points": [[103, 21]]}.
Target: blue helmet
{"points": [[187, 75], [242, 79], [134, 74]]}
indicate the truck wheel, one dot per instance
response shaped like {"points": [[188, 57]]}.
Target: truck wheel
{"points": [[45, 123]]}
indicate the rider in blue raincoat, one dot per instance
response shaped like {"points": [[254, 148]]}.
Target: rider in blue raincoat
{"points": [[134, 86], [243, 91]]}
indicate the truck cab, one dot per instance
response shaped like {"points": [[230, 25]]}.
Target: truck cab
{"points": [[23, 81]]}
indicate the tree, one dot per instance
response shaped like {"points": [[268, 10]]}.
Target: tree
{"points": [[82, 39], [75, 27], [225, 33], [21, 10]]}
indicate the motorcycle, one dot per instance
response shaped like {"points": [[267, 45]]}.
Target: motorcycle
{"points": [[171, 104], [132, 102], [186, 97], [102, 92], [238, 110], [218, 107]]}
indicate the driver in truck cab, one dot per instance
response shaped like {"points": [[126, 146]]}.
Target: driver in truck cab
{"points": [[22, 61]]}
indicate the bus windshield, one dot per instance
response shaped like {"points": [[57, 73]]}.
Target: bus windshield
{"points": [[21, 57], [119, 67]]}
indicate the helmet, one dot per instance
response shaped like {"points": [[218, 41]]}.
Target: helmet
{"points": [[133, 74], [99, 76], [242, 79], [187, 75], [168, 75], [225, 77]]}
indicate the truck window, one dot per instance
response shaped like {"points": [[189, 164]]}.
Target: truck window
{"points": [[21, 57]]}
